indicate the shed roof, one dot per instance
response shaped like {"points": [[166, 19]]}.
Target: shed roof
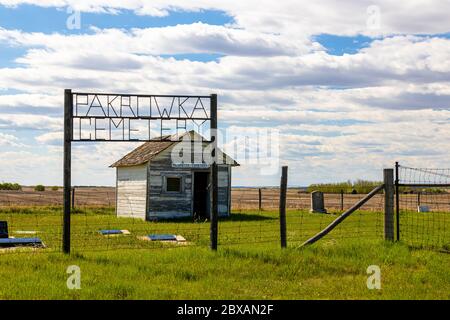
{"points": [[147, 151]]}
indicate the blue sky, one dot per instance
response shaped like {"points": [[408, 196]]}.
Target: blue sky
{"points": [[32, 18], [339, 45], [347, 86]]}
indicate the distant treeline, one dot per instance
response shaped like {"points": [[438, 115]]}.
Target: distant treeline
{"points": [[364, 187], [10, 186], [357, 187]]}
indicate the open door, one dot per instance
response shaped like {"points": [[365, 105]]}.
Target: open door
{"points": [[201, 195]]}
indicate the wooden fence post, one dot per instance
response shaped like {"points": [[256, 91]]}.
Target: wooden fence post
{"points": [[342, 200], [260, 199], [388, 175], [73, 197], [283, 191]]}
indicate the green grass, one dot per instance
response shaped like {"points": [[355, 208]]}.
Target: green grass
{"points": [[241, 227], [248, 265], [335, 271]]}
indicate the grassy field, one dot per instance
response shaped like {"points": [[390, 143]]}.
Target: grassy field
{"points": [[240, 228], [248, 265]]}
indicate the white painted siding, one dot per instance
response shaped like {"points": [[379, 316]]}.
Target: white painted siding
{"points": [[131, 191]]}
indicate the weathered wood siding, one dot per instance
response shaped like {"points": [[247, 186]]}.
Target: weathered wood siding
{"points": [[223, 190], [131, 191], [168, 205], [141, 192]]}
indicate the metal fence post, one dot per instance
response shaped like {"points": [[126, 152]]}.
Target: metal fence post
{"points": [[68, 113], [342, 200], [260, 199], [388, 175], [283, 191], [397, 200], [214, 179]]}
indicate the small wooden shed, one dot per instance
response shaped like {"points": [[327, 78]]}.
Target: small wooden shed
{"points": [[149, 185]]}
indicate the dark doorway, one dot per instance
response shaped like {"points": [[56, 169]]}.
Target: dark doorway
{"points": [[201, 195]]}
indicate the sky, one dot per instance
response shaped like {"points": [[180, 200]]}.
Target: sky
{"points": [[351, 86]]}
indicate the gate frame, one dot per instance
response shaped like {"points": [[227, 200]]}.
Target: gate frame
{"points": [[67, 162]]}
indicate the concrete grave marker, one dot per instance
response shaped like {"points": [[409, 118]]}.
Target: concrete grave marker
{"points": [[317, 202]]}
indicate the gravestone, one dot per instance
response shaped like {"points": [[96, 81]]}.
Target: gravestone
{"points": [[4, 230], [317, 202], [423, 209]]}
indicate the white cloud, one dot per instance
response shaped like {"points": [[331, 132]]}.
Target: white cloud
{"points": [[13, 121], [28, 100], [8, 140], [392, 60], [193, 38], [51, 138], [340, 117], [291, 17], [31, 167]]}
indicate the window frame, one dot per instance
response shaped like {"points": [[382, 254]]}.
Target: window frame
{"points": [[176, 176]]}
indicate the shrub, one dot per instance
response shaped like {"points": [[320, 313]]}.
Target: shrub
{"points": [[331, 187], [10, 186], [365, 186], [39, 187], [357, 187], [55, 188]]}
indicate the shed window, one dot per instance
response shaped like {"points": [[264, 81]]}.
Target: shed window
{"points": [[173, 184]]}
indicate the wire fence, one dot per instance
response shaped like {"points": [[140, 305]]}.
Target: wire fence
{"points": [[81, 196], [242, 199], [35, 217], [254, 219], [424, 207], [423, 199]]}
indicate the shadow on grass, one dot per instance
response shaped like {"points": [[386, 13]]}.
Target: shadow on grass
{"points": [[247, 217], [232, 217]]}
